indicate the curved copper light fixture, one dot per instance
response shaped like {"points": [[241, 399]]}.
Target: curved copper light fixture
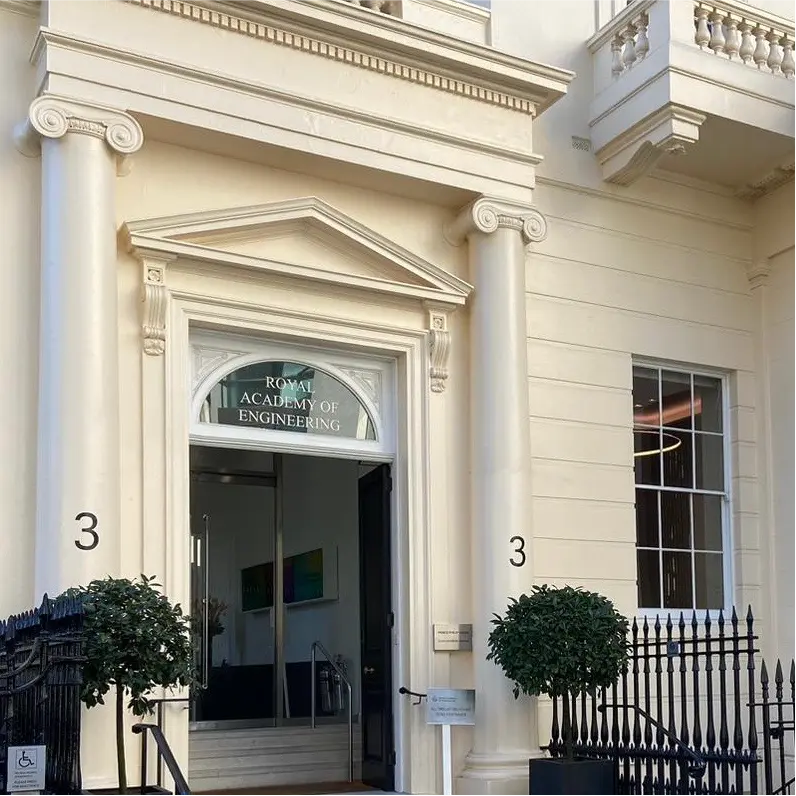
{"points": [[674, 443]]}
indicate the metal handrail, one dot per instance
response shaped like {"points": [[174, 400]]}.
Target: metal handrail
{"points": [[316, 645], [697, 769], [164, 751], [160, 702]]}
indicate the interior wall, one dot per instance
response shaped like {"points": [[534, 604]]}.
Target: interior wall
{"points": [[320, 510]]}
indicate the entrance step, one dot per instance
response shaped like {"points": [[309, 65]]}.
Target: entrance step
{"points": [[255, 759], [337, 788]]}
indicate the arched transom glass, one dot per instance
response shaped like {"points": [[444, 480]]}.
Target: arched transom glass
{"points": [[288, 396]]}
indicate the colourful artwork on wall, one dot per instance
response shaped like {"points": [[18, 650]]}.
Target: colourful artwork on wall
{"points": [[302, 581]]}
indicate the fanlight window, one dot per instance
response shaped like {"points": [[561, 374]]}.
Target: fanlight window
{"points": [[287, 396]]}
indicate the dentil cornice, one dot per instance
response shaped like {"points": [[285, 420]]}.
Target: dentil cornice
{"points": [[347, 33], [53, 116], [487, 215]]}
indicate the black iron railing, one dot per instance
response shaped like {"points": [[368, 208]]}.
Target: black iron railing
{"points": [[694, 690], [41, 662]]}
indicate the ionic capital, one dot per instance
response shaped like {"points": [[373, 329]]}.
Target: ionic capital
{"points": [[52, 116], [487, 215]]}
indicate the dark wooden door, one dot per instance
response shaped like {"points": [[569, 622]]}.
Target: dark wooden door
{"points": [[376, 621]]}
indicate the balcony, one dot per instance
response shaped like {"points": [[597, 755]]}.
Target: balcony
{"points": [[683, 87], [466, 20]]}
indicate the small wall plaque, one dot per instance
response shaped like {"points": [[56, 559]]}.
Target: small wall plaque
{"points": [[453, 638]]}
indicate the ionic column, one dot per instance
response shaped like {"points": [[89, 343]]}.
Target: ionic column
{"points": [[497, 233], [78, 489]]}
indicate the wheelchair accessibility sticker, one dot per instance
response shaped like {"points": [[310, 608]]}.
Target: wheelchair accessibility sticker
{"points": [[26, 768]]}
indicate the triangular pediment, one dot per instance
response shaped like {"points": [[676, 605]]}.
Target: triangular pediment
{"points": [[305, 238]]}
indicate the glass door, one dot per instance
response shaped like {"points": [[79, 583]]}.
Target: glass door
{"points": [[233, 586]]}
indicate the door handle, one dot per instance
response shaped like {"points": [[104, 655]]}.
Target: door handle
{"points": [[368, 670]]}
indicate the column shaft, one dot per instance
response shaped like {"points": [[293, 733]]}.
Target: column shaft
{"points": [[505, 735], [78, 366], [78, 471]]}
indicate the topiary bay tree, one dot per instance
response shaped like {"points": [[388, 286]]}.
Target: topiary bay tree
{"points": [[560, 642], [135, 641]]}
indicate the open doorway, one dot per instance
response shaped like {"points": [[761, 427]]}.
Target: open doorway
{"points": [[290, 564]]}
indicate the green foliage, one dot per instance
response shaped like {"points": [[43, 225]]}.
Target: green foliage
{"points": [[135, 639], [559, 641]]}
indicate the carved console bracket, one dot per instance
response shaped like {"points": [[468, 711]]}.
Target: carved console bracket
{"points": [[53, 116], [439, 344], [154, 299], [487, 215], [634, 153]]}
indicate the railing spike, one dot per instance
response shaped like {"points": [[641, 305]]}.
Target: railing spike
{"points": [[763, 673]]}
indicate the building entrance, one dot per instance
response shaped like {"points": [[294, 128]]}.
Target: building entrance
{"points": [[292, 620]]}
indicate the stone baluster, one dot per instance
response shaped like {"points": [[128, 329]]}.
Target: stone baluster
{"points": [[702, 35], [760, 55], [642, 41], [629, 52], [747, 47], [788, 64], [774, 61], [617, 67], [717, 40], [733, 39]]}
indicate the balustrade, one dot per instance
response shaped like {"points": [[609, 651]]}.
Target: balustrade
{"points": [[630, 45], [746, 37], [391, 7], [728, 29]]}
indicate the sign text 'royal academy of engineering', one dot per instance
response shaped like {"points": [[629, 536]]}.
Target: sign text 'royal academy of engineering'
{"points": [[269, 409]]}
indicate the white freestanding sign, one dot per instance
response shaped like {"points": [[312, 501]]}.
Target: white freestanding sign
{"points": [[448, 706], [26, 768]]}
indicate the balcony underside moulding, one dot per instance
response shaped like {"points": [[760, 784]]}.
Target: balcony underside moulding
{"points": [[769, 182], [634, 153]]}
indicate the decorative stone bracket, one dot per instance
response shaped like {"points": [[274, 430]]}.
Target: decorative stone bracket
{"points": [[154, 300], [439, 341], [634, 153]]}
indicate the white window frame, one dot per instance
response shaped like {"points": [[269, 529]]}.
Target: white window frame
{"points": [[727, 531]]}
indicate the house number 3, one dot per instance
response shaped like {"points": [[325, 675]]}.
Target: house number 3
{"points": [[90, 530], [518, 559]]}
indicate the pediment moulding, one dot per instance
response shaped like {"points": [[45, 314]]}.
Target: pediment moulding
{"points": [[54, 116], [157, 243], [487, 215]]}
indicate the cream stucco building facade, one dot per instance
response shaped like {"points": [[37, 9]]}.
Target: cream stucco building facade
{"points": [[496, 228]]}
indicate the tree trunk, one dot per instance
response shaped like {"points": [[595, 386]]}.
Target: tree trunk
{"points": [[120, 759], [566, 726]]}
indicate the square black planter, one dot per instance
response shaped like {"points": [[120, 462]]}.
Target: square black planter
{"points": [[557, 775]]}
